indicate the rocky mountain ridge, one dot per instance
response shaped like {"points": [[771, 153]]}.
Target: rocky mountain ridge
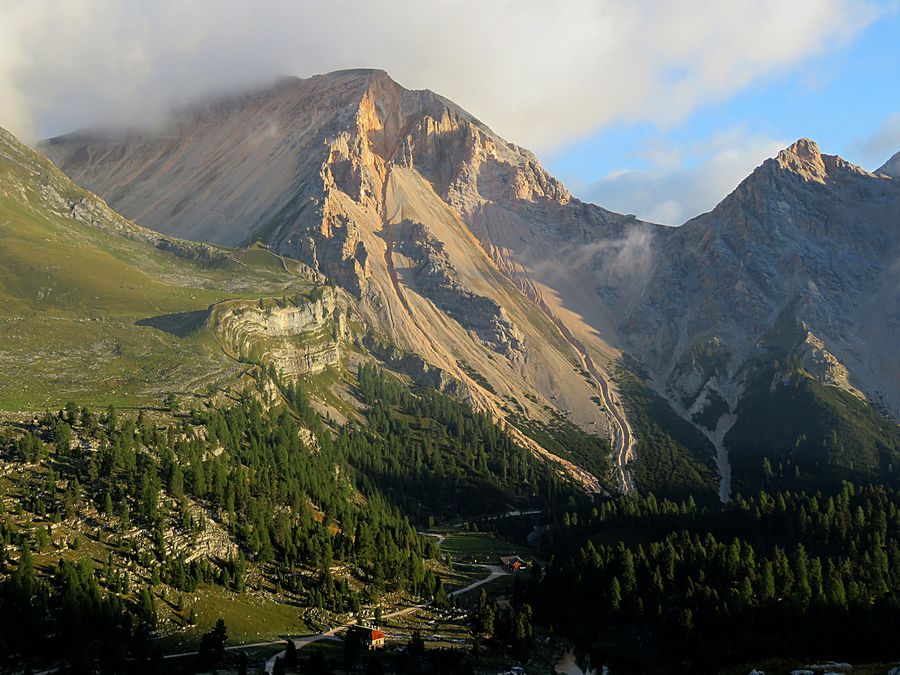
{"points": [[376, 198], [805, 231], [464, 250]]}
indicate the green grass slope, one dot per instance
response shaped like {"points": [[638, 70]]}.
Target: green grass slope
{"points": [[672, 457], [795, 431], [809, 433], [87, 299]]}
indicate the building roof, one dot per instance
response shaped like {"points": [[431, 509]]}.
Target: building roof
{"points": [[368, 631]]}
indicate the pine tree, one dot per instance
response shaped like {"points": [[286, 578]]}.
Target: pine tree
{"points": [[484, 617], [290, 655], [615, 595], [108, 506], [147, 607], [766, 583]]}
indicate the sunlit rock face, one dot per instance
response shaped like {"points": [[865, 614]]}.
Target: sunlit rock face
{"points": [[300, 335], [459, 247]]}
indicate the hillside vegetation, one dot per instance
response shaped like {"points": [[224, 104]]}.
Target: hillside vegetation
{"points": [[91, 306], [681, 587], [793, 430], [149, 516]]}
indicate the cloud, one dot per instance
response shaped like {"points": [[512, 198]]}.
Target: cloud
{"points": [[881, 145], [15, 113], [627, 257], [685, 180], [541, 73], [624, 262]]}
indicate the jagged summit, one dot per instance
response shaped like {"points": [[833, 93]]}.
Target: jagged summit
{"points": [[234, 168], [803, 158], [803, 149]]}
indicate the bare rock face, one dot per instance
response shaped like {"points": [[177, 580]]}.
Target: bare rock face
{"points": [[469, 255], [299, 336], [823, 365], [804, 160], [440, 283], [891, 167], [807, 232], [373, 186]]}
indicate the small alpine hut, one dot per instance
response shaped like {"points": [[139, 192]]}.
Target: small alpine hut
{"points": [[370, 638], [513, 563]]}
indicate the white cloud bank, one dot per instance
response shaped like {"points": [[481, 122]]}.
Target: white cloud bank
{"points": [[685, 180], [541, 73]]}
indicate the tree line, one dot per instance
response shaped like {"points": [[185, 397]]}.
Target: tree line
{"points": [[674, 582]]}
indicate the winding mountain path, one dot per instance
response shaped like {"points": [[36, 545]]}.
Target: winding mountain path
{"points": [[622, 436]]}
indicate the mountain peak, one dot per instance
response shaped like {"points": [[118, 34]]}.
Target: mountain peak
{"points": [[891, 167], [804, 148], [804, 159]]}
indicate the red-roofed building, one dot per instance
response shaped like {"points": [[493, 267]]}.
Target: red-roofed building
{"points": [[513, 563], [370, 638]]}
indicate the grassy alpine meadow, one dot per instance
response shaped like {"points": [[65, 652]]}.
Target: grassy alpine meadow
{"points": [[480, 547], [89, 314]]}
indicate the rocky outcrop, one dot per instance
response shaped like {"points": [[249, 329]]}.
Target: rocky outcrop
{"points": [[300, 335], [823, 365], [439, 281]]}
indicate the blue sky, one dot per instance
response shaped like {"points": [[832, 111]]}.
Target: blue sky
{"points": [[847, 99]]}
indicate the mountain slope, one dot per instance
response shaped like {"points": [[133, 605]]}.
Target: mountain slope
{"points": [[352, 174], [808, 242], [100, 310], [806, 231], [891, 167], [462, 249], [93, 307]]}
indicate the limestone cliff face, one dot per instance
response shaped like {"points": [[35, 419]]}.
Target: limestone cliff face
{"points": [[301, 335]]}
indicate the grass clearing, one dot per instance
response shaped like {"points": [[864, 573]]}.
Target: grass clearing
{"points": [[480, 547], [249, 618]]}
